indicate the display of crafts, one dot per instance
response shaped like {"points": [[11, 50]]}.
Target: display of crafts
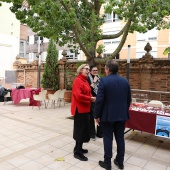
{"points": [[165, 110], [138, 104]]}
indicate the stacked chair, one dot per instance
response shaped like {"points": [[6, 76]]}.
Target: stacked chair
{"points": [[8, 95], [61, 97], [54, 97], [57, 97], [40, 97]]}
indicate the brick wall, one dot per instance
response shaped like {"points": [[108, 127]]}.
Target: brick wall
{"points": [[146, 73]]}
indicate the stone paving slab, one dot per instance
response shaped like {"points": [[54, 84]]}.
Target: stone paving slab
{"points": [[32, 139]]}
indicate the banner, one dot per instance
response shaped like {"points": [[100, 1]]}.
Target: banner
{"points": [[162, 128]]}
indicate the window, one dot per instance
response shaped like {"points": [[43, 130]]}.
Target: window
{"points": [[115, 41], [106, 42], [22, 50], [152, 38], [35, 39], [109, 54], [111, 41], [141, 36], [115, 17], [71, 56], [154, 53], [108, 18], [111, 17], [150, 35], [140, 54]]}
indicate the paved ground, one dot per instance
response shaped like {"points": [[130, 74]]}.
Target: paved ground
{"points": [[33, 139]]}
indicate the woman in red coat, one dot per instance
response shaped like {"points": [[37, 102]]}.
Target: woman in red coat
{"points": [[80, 109]]}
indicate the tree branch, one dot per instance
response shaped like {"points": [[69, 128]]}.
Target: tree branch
{"points": [[77, 30], [81, 44], [115, 35], [78, 25], [97, 6], [126, 29]]}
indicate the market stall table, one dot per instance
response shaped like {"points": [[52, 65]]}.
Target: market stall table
{"points": [[143, 118]]}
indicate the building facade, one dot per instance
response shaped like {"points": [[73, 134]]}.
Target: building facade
{"points": [[9, 38], [16, 39], [159, 40]]}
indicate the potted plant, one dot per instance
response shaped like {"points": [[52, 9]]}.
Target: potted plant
{"points": [[69, 78], [100, 49], [50, 76]]}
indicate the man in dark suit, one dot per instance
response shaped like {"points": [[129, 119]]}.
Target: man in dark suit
{"points": [[111, 109]]}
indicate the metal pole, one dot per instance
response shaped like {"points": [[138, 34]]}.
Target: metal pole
{"points": [[128, 64], [39, 62]]}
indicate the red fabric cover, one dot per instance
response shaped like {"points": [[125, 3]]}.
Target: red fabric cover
{"points": [[19, 94], [32, 101], [141, 121], [145, 120], [81, 94]]}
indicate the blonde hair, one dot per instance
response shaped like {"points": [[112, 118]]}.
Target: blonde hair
{"points": [[80, 67]]}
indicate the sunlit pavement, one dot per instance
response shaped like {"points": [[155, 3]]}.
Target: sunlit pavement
{"points": [[33, 139]]}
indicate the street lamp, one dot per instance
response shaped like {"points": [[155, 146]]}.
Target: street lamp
{"points": [[39, 61], [128, 63]]}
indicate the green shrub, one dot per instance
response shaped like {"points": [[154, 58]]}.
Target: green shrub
{"points": [[50, 76]]}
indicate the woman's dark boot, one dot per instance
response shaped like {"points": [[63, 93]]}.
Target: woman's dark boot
{"points": [[78, 152], [80, 156]]}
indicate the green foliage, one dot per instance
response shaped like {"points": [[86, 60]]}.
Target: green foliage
{"points": [[101, 75], [79, 64], [100, 49], [166, 51], [50, 76], [69, 78], [82, 20]]}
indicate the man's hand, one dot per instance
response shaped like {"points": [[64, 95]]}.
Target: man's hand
{"points": [[97, 121]]}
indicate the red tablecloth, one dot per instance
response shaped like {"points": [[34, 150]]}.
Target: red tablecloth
{"points": [[32, 101], [143, 118], [19, 94]]}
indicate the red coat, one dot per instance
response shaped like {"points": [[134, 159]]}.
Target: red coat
{"points": [[81, 94]]}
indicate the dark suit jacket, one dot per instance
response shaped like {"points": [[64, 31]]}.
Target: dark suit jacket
{"points": [[113, 99]]}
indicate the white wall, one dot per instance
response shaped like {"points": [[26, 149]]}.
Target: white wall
{"points": [[9, 49], [9, 38]]}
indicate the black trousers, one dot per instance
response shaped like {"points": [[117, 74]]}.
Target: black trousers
{"points": [[118, 129]]}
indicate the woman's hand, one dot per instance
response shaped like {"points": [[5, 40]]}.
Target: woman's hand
{"points": [[93, 99], [95, 79]]}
